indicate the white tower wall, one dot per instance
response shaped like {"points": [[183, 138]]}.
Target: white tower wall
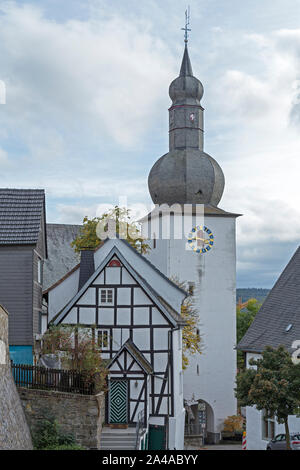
{"points": [[210, 375]]}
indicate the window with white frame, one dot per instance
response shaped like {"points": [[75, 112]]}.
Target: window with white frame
{"points": [[268, 425], [106, 296], [103, 339]]}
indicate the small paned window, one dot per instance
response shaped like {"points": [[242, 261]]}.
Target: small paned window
{"points": [[106, 296], [103, 339]]}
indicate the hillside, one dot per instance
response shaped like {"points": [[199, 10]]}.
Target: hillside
{"points": [[252, 293]]}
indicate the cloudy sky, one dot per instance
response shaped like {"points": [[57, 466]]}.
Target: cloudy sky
{"points": [[87, 98]]}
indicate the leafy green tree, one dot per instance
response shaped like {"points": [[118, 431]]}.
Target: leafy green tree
{"points": [[124, 226], [272, 385], [244, 318]]}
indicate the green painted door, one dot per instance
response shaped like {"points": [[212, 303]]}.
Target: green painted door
{"points": [[157, 437], [118, 408]]}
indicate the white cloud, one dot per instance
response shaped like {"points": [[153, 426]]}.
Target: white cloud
{"points": [[104, 72], [262, 145], [83, 94], [3, 158]]}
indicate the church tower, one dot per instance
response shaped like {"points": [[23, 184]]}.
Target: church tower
{"points": [[186, 174], [186, 185]]}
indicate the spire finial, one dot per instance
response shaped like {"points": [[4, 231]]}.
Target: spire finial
{"points": [[187, 23]]}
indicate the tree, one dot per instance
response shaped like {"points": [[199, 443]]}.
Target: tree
{"points": [[273, 385], [244, 318], [123, 225], [191, 339], [77, 349]]}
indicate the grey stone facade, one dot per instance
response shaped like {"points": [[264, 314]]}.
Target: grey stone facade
{"points": [[14, 431], [79, 415]]}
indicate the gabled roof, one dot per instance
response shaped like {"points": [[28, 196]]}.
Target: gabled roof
{"points": [[174, 319], [155, 268], [21, 213], [137, 355], [278, 321]]}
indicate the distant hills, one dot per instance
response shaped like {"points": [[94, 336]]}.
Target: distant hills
{"points": [[252, 293]]}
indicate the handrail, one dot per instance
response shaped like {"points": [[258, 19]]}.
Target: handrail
{"points": [[140, 425]]}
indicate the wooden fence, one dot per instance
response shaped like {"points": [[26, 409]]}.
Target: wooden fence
{"points": [[69, 381]]}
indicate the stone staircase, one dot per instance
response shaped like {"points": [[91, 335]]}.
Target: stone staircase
{"points": [[118, 439]]}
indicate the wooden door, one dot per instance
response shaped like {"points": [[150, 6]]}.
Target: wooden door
{"points": [[118, 401]]}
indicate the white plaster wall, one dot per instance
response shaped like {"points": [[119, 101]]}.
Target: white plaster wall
{"points": [[176, 424], [214, 275], [62, 294], [254, 435], [254, 419], [158, 420]]}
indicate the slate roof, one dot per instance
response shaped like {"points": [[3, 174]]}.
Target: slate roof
{"points": [[21, 211], [61, 256], [280, 309]]}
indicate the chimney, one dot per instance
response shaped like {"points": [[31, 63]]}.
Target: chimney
{"points": [[87, 266]]}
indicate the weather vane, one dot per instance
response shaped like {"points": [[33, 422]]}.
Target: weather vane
{"points": [[187, 23]]}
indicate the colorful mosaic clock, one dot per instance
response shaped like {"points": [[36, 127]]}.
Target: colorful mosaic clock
{"points": [[201, 239]]}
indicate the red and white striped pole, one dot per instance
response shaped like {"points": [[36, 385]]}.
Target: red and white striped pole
{"points": [[244, 443]]}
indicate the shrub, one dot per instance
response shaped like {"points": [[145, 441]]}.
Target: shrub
{"points": [[65, 447], [233, 423], [48, 435]]}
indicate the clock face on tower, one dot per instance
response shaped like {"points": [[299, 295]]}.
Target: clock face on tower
{"points": [[201, 239]]}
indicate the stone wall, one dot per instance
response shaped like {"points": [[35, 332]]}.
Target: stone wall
{"points": [[14, 431], [80, 415]]}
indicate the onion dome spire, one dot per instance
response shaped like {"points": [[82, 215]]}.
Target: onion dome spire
{"points": [[186, 174], [186, 66]]}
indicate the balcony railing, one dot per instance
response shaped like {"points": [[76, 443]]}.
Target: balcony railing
{"points": [[69, 381]]}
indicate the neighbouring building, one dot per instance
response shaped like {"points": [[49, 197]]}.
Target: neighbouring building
{"points": [[133, 313], [61, 255], [277, 323], [186, 185], [23, 249]]}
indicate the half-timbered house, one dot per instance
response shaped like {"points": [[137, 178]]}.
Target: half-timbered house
{"points": [[133, 311]]}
